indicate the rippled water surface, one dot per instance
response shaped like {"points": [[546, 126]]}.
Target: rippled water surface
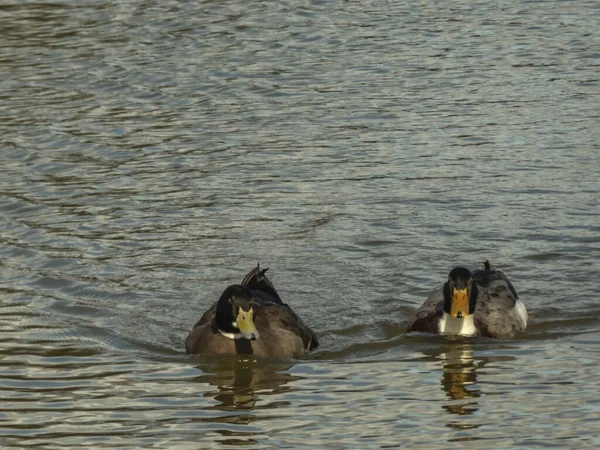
{"points": [[153, 152]]}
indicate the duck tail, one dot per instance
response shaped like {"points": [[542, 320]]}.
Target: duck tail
{"points": [[257, 277], [258, 281], [489, 273]]}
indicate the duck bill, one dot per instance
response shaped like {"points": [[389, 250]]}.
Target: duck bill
{"points": [[460, 303], [245, 322]]}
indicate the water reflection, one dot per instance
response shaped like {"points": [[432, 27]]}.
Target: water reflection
{"points": [[459, 382], [459, 377], [243, 386]]}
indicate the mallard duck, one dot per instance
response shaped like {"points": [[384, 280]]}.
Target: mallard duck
{"points": [[251, 318], [482, 303]]}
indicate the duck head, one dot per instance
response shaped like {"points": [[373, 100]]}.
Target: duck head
{"points": [[460, 293], [234, 315]]}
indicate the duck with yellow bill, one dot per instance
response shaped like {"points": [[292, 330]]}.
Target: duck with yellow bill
{"points": [[479, 303], [251, 319]]}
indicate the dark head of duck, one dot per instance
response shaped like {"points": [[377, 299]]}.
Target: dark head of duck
{"points": [[460, 293], [235, 315]]}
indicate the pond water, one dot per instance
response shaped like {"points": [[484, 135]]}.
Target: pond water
{"points": [[152, 153]]}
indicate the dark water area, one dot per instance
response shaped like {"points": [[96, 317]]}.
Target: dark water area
{"points": [[151, 153]]}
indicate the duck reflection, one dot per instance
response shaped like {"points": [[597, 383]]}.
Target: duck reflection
{"points": [[243, 386], [459, 378]]}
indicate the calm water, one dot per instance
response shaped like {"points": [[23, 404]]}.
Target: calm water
{"points": [[153, 152]]}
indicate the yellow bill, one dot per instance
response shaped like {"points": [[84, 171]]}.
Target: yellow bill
{"points": [[460, 303], [245, 322]]}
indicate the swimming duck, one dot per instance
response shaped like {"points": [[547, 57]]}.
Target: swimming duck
{"points": [[251, 318], [482, 303]]}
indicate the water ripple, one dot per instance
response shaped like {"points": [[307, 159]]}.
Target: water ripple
{"points": [[153, 152]]}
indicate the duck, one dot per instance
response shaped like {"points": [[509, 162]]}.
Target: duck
{"points": [[479, 303], [251, 319]]}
